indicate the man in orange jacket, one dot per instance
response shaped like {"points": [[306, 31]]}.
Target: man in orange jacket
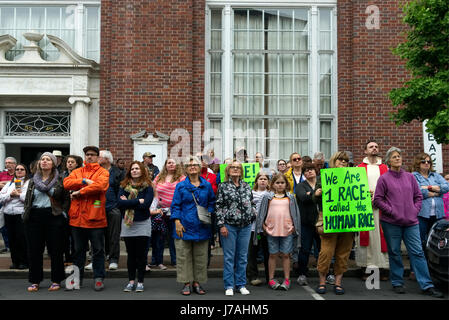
{"points": [[88, 186]]}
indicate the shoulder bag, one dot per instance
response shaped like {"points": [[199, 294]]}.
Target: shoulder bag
{"points": [[203, 214]]}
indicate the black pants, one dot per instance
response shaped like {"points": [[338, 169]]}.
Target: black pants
{"points": [[137, 258], [16, 236], [112, 236], [44, 229], [251, 268]]}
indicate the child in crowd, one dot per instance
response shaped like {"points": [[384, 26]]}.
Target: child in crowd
{"points": [[279, 219], [260, 189]]}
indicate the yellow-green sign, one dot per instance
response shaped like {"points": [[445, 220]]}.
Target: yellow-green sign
{"points": [[346, 200], [250, 171]]}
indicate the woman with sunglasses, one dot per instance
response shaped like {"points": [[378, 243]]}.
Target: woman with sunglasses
{"points": [[433, 186], [294, 174], [336, 245], [12, 199]]}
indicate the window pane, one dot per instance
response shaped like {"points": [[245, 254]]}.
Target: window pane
{"points": [[325, 147], [301, 63], [286, 84], [68, 17], [271, 19], [216, 40], [215, 62], [240, 105], [301, 18], [7, 18], [255, 20], [302, 129], [215, 83], [301, 84], [325, 105], [255, 63], [53, 19], [240, 20], [325, 63], [325, 129], [22, 19], [240, 83], [272, 80], [301, 106], [325, 84], [325, 19], [216, 19], [92, 17], [286, 40], [215, 104], [256, 84], [37, 19], [256, 105], [325, 40], [286, 129], [240, 63]]}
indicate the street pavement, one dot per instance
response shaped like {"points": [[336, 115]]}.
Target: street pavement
{"points": [[161, 285]]}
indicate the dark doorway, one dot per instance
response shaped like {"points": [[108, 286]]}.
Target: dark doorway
{"points": [[29, 154]]}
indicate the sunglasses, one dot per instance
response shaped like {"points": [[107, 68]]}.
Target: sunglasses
{"points": [[426, 161], [20, 169], [296, 159], [343, 159]]}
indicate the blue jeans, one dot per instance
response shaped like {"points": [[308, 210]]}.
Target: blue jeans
{"points": [[393, 235], [96, 237], [235, 255]]}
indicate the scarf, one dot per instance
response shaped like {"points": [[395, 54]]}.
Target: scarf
{"points": [[128, 220], [44, 186]]}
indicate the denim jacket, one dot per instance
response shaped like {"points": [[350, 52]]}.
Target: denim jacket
{"points": [[434, 179]]}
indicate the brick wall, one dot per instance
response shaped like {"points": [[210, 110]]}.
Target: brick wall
{"points": [[367, 71], [152, 62], [152, 74]]}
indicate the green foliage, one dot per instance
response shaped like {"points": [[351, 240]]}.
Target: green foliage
{"points": [[426, 51]]}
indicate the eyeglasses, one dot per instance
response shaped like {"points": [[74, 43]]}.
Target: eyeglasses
{"points": [[309, 169], [20, 169], [282, 164], [296, 159], [426, 161]]}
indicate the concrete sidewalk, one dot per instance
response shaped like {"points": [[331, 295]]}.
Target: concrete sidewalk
{"points": [[215, 268]]}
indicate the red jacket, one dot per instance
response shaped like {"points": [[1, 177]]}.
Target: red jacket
{"points": [[364, 235], [211, 178], [89, 209]]}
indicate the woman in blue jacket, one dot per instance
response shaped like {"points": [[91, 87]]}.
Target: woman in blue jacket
{"points": [[433, 186], [134, 200], [191, 236]]}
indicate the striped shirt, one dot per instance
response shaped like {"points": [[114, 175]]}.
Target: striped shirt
{"points": [[165, 191]]}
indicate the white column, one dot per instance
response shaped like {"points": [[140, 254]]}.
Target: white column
{"points": [[2, 156], [79, 124], [226, 80], [314, 126]]}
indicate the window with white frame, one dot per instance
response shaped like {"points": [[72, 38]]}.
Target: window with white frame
{"points": [[271, 80], [77, 23]]}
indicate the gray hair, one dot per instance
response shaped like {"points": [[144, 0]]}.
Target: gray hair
{"points": [[12, 159], [318, 155], [389, 154], [108, 155], [189, 159]]}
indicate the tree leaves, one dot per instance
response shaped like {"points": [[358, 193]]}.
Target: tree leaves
{"points": [[426, 51]]}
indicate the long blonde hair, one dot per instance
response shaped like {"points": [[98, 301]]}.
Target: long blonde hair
{"points": [[164, 173]]}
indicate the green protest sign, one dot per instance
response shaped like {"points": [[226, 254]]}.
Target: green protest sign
{"points": [[346, 200], [250, 171]]}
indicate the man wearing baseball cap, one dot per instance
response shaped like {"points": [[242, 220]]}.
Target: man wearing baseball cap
{"points": [[148, 162], [88, 186], [58, 155]]}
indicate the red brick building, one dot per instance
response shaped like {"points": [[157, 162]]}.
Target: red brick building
{"points": [[159, 72]]}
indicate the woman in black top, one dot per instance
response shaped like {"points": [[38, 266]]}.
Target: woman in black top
{"points": [[309, 213]]}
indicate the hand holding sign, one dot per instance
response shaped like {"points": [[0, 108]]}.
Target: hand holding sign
{"points": [[346, 200]]}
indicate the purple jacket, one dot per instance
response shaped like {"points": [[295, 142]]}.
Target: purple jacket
{"points": [[398, 197]]}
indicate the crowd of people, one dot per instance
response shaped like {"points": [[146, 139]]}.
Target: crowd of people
{"points": [[77, 208]]}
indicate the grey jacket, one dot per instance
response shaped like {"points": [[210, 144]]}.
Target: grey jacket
{"points": [[263, 211]]}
